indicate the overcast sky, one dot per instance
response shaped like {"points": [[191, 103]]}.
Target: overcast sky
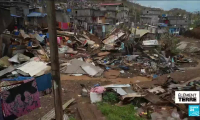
{"points": [[189, 5]]}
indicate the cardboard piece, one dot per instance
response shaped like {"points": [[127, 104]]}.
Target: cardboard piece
{"points": [[33, 67]]}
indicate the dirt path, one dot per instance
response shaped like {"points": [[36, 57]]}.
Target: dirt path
{"points": [[116, 80], [177, 76]]}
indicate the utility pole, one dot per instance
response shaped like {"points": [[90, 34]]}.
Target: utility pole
{"points": [[55, 69]]}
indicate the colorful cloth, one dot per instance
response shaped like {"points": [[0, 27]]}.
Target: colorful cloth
{"points": [[44, 82], [20, 100], [98, 89], [58, 40], [6, 85]]}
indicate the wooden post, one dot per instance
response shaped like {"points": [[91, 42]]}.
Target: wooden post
{"points": [[1, 45], [54, 59], [135, 26]]}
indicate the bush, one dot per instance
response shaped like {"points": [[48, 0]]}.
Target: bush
{"points": [[110, 97]]}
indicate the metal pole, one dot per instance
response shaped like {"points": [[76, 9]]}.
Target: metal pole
{"points": [[54, 59]]}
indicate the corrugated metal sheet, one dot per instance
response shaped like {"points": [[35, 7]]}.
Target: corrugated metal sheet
{"points": [[111, 39], [36, 14]]}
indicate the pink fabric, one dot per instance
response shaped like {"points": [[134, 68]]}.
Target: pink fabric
{"points": [[58, 40], [20, 100], [99, 90]]}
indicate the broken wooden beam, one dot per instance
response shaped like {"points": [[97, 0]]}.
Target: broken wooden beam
{"points": [[51, 113]]}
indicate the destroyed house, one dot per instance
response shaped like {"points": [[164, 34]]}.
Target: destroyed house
{"points": [[178, 21], [100, 16], [150, 16], [83, 14], [16, 7], [114, 12]]}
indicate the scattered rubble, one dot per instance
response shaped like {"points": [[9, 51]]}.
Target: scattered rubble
{"points": [[119, 54]]}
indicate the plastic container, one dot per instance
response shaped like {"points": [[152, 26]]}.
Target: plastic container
{"points": [[95, 97]]}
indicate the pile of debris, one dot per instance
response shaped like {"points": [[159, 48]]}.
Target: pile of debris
{"points": [[25, 74], [153, 103], [80, 53], [146, 57]]}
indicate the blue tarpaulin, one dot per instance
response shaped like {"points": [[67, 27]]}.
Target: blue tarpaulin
{"points": [[162, 25], [12, 15], [36, 14], [164, 15], [69, 10], [19, 78], [43, 82]]}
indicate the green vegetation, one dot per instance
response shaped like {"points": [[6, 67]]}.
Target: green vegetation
{"points": [[171, 42], [112, 112], [110, 97], [72, 118]]}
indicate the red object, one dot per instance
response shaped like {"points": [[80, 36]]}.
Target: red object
{"points": [[166, 21], [15, 27], [104, 4], [64, 26], [60, 25]]}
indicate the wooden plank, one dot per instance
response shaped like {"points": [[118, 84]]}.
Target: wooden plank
{"points": [[51, 113]]}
